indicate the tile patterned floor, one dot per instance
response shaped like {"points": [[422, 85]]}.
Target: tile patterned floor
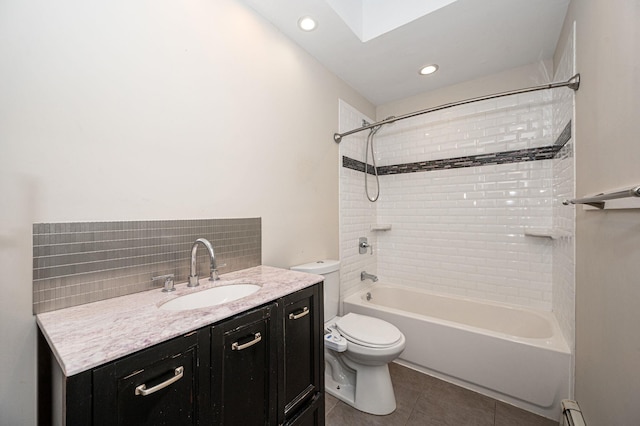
{"points": [[423, 400]]}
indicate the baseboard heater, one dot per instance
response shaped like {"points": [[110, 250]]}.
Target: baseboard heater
{"points": [[571, 414]]}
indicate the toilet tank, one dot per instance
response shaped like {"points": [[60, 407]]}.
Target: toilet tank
{"points": [[330, 269]]}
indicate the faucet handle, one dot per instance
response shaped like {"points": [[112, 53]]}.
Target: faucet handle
{"points": [[168, 282], [214, 273], [363, 245]]}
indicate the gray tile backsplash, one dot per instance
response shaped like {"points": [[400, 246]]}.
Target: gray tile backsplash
{"points": [[82, 262]]}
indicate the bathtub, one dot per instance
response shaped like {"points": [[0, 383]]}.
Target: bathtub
{"points": [[512, 354]]}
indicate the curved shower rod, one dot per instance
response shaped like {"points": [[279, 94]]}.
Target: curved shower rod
{"points": [[573, 83]]}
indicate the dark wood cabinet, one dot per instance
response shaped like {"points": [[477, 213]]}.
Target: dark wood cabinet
{"points": [[302, 350], [261, 367], [244, 369]]}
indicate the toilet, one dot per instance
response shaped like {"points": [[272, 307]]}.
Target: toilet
{"points": [[358, 349]]}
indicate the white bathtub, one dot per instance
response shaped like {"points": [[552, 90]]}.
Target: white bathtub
{"points": [[513, 354]]}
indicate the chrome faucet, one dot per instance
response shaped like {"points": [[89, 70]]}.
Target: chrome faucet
{"points": [[365, 276], [213, 270]]}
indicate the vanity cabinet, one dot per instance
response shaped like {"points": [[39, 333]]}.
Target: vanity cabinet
{"points": [[260, 367]]}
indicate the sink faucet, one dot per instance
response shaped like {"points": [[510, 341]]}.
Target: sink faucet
{"points": [[213, 271], [365, 276]]}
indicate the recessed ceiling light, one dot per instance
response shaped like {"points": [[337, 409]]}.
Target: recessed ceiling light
{"points": [[429, 69], [307, 23]]}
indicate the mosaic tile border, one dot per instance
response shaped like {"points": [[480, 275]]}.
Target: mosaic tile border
{"points": [[504, 157], [77, 263], [565, 135], [356, 165], [519, 156]]}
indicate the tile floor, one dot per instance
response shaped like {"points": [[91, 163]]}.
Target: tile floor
{"points": [[423, 400]]}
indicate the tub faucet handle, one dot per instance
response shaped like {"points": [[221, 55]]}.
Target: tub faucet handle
{"points": [[363, 245]]}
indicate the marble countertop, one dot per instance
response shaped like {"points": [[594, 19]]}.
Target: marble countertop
{"points": [[86, 336]]}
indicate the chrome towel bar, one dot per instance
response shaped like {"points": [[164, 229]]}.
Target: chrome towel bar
{"points": [[599, 199]]}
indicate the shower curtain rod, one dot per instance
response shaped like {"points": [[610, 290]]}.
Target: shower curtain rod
{"points": [[572, 83]]}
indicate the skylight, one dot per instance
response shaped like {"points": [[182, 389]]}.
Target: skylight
{"points": [[369, 19]]}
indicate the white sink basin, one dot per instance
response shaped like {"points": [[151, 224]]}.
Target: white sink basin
{"points": [[211, 297]]}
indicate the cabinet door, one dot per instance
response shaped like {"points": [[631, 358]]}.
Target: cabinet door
{"points": [[303, 356], [244, 370], [157, 386]]}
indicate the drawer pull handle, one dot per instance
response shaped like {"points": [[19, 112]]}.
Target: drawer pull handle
{"points": [[142, 389], [305, 311], [237, 347]]}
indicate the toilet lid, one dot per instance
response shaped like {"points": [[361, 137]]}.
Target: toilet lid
{"points": [[368, 331]]}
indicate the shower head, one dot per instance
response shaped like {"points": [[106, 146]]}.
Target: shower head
{"points": [[375, 129]]}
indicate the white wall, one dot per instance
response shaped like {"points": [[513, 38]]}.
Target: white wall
{"points": [[17, 325], [607, 242], [157, 110]]}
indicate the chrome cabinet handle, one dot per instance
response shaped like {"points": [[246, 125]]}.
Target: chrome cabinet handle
{"points": [[237, 347], [304, 313], [142, 389]]}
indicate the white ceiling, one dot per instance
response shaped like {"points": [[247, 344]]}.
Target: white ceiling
{"points": [[468, 39]]}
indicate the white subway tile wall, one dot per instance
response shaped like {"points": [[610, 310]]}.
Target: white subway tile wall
{"points": [[357, 214], [564, 188], [458, 231], [462, 231]]}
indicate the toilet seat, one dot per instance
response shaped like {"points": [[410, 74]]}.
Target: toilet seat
{"points": [[368, 331]]}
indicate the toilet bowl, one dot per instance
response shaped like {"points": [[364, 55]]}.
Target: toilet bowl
{"points": [[358, 349], [359, 375]]}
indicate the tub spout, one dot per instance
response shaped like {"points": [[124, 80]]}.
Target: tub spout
{"points": [[365, 276]]}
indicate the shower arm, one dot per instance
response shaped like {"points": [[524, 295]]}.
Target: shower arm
{"points": [[573, 83]]}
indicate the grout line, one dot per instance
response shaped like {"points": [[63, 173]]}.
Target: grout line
{"points": [[411, 413]]}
